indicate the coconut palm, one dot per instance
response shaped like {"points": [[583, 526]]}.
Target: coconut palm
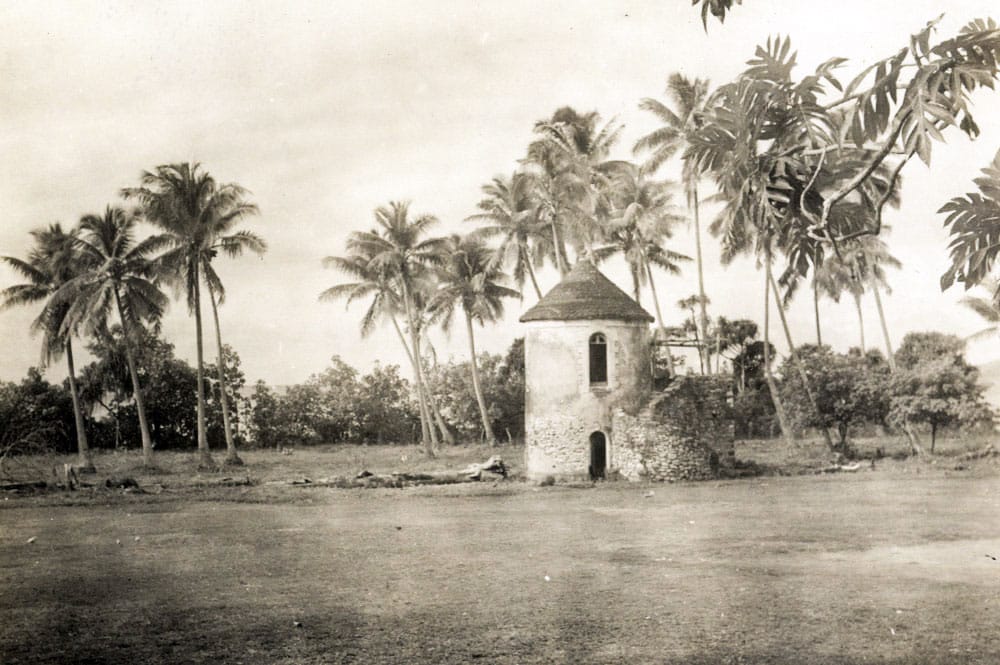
{"points": [[688, 98], [398, 253], [643, 218], [511, 211], [386, 304], [232, 245], [119, 276], [53, 261], [195, 213], [572, 155], [472, 280]]}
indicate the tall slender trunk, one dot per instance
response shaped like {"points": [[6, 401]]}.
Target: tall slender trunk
{"points": [[861, 320], [427, 429], [819, 333], [232, 457], [140, 404], [885, 329], [205, 460], [798, 361], [445, 434], [526, 257], [700, 342], [703, 321], [659, 315], [772, 387], [557, 246], [634, 271], [432, 405], [487, 427], [83, 450], [911, 434]]}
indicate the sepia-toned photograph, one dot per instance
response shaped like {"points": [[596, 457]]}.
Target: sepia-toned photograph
{"points": [[516, 332]]}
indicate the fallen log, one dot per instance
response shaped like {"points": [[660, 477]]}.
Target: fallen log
{"points": [[492, 469]]}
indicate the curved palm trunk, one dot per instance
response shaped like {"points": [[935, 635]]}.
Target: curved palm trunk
{"points": [[205, 460], [703, 321], [428, 432], [526, 257], [487, 427], [798, 361], [432, 406], [140, 404], [659, 316], [86, 464], [861, 320], [232, 457], [772, 388]]}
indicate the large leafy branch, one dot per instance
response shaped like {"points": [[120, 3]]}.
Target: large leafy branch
{"points": [[792, 157]]}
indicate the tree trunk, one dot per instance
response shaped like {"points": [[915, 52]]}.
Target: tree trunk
{"points": [[429, 397], [798, 361], [86, 464], [861, 320], [140, 405], [819, 334], [703, 322], [885, 329], [232, 457], [659, 316], [557, 248], [933, 435], [700, 341], [487, 427], [429, 433], [205, 461], [531, 271], [772, 388], [432, 405]]}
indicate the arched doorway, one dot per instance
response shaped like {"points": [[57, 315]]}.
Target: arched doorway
{"points": [[598, 455]]}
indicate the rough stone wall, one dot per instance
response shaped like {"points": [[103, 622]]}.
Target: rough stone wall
{"points": [[562, 408], [684, 433]]}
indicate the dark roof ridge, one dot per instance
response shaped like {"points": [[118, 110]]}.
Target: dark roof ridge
{"points": [[586, 294]]}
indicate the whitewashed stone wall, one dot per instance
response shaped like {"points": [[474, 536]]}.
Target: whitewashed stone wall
{"points": [[562, 408]]}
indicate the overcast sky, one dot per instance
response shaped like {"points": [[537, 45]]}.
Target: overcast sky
{"points": [[326, 110]]}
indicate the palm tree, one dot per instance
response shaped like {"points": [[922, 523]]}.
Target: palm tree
{"points": [[986, 307], [391, 259], [53, 261], [511, 211], [572, 153], [194, 212], [120, 275], [688, 98], [233, 245], [642, 219], [471, 279]]}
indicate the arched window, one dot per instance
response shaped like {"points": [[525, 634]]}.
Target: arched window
{"points": [[598, 359]]}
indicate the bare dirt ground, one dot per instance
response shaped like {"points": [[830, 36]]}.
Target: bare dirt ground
{"points": [[887, 566]]}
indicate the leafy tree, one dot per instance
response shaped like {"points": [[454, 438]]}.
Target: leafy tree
{"points": [[52, 262], [385, 410], [936, 385], [119, 275], [849, 389], [268, 427], [688, 98], [35, 416], [472, 281], [195, 214], [223, 397], [717, 8]]}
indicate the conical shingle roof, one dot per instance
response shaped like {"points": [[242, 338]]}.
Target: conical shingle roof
{"points": [[586, 294]]}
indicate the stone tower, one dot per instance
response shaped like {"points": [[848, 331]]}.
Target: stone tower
{"points": [[586, 355]]}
